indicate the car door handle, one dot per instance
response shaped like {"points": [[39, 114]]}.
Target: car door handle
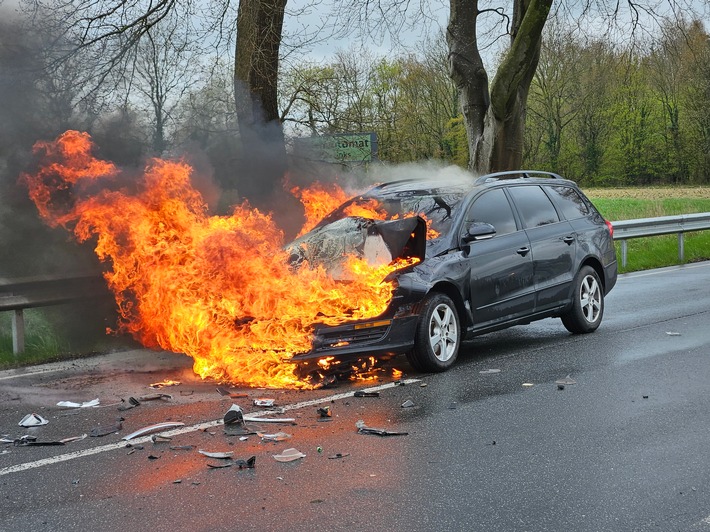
{"points": [[568, 240], [523, 251]]}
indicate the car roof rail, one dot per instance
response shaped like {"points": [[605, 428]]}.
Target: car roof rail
{"points": [[521, 174]]}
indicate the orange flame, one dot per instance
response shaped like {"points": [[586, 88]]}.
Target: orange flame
{"points": [[217, 288]]}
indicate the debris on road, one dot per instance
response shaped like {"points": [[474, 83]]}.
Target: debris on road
{"points": [[33, 420], [249, 463], [165, 383], [98, 432], [234, 415], [324, 413], [222, 455], [408, 404], [361, 393], [489, 371], [279, 436], [364, 429], [182, 447], [255, 419], [289, 455], [566, 381], [220, 465], [338, 455], [264, 402], [154, 428], [159, 438], [85, 404], [226, 393], [127, 405], [156, 396], [528, 384], [672, 333]]}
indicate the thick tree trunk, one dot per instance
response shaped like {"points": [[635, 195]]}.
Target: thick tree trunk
{"points": [[263, 161], [495, 120]]}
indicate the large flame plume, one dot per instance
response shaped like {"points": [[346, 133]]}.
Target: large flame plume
{"points": [[217, 288]]}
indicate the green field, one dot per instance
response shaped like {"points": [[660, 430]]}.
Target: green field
{"points": [[659, 251]]}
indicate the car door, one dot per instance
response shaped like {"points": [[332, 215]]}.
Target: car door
{"points": [[500, 268], [553, 245]]}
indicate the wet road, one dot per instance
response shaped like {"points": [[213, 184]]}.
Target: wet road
{"points": [[625, 448]]}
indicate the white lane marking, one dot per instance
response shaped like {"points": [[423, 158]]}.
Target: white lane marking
{"points": [[659, 271], [182, 430]]}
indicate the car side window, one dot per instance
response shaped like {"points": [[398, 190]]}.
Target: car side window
{"points": [[569, 201], [534, 206], [493, 208]]}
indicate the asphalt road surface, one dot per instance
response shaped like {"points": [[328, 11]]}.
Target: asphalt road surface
{"points": [[627, 447]]}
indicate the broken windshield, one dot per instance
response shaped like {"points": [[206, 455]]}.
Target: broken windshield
{"points": [[436, 208]]}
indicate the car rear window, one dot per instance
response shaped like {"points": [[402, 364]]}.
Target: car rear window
{"points": [[534, 206], [569, 202]]}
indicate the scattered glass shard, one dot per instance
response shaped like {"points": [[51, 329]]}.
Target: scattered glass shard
{"points": [[408, 404], [489, 371], [264, 402]]}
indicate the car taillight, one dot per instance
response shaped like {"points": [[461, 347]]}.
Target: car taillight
{"points": [[610, 227]]}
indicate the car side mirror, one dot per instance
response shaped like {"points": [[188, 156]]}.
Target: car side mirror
{"points": [[479, 231]]}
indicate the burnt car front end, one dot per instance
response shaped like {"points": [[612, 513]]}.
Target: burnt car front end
{"points": [[408, 235]]}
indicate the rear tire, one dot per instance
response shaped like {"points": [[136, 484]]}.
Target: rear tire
{"points": [[587, 310], [438, 336]]}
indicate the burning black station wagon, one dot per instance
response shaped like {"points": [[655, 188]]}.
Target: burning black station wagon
{"points": [[503, 249]]}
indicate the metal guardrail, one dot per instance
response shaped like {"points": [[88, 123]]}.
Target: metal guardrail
{"points": [[625, 230], [31, 292]]}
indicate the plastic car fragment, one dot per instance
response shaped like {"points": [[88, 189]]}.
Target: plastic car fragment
{"points": [[33, 420], [364, 429], [255, 419], [156, 396], [408, 404], [361, 393], [249, 463], [279, 436], [85, 404], [289, 455], [154, 428], [98, 432], [127, 405], [264, 402], [222, 455], [234, 415]]}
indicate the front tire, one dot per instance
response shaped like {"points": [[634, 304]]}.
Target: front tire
{"points": [[587, 310], [438, 336]]}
